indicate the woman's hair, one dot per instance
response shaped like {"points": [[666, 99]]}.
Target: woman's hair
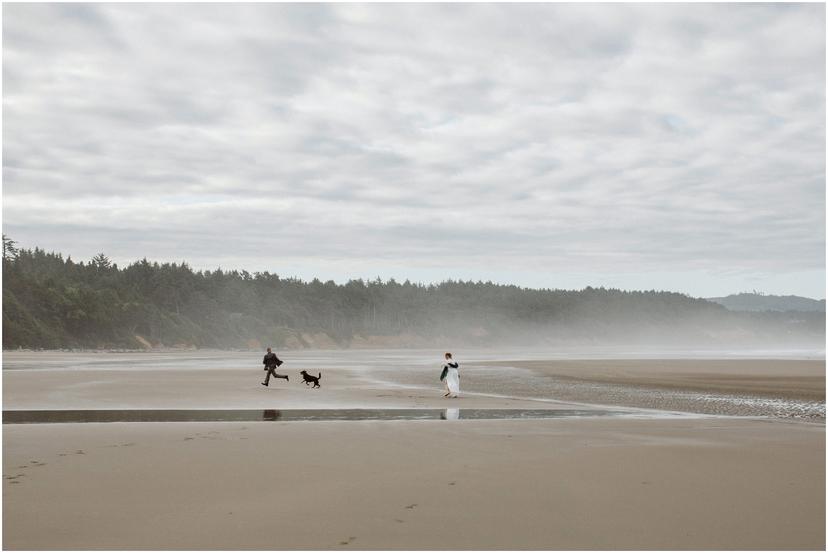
{"points": [[448, 354]]}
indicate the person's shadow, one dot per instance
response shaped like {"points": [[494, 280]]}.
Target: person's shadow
{"points": [[271, 415]]}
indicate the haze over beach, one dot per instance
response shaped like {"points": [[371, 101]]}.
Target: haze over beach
{"points": [[611, 215]]}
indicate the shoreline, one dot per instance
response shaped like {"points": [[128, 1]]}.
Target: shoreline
{"points": [[562, 351]]}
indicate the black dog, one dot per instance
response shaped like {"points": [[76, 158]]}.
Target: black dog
{"points": [[310, 378]]}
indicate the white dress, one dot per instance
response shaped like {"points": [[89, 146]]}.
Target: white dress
{"points": [[453, 379]]}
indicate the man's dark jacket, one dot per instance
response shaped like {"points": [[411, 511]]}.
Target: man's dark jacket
{"points": [[270, 360]]}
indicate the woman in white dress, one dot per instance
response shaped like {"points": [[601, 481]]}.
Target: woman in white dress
{"points": [[452, 377]]}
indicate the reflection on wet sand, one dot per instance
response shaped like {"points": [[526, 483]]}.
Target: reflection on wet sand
{"points": [[271, 415], [450, 414], [293, 415]]}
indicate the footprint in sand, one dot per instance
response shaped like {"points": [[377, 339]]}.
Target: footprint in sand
{"points": [[80, 452], [350, 539], [128, 445], [452, 483], [411, 506], [189, 438], [399, 520]]}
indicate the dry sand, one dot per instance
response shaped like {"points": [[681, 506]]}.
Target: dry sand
{"points": [[663, 482]]}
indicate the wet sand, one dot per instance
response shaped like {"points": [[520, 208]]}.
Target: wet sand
{"points": [[783, 378], [651, 480], [231, 388], [568, 484], [782, 388]]}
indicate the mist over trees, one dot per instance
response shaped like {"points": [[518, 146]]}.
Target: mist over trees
{"points": [[50, 303], [762, 302]]}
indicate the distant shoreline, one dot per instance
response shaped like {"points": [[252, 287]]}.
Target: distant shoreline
{"points": [[609, 349]]}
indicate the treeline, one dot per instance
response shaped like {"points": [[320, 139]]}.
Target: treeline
{"points": [[52, 302]]}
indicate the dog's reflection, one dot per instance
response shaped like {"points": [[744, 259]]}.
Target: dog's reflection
{"points": [[271, 415]]}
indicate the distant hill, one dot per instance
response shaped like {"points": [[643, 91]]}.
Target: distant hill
{"points": [[761, 302]]}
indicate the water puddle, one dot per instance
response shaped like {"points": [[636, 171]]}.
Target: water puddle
{"points": [[291, 415]]}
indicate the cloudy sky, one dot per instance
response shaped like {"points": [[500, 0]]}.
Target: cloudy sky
{"points": [[677, 147]]}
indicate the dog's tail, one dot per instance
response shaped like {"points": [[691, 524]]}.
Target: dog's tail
{"points": [[320, 375]]}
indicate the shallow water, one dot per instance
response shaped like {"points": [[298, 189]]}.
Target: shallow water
{"points": [[290, 415], [500, 381]]}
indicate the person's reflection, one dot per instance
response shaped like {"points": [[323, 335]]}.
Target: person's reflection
{"points": [[271, 415], [450, 414]]}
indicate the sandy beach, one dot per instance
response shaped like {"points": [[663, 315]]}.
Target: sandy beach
{"points": [[648, 480]]}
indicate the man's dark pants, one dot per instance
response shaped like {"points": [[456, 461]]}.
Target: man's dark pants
{"points": [[271, 371]]}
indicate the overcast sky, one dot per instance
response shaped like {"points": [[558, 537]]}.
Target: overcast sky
{"points": [[676, 147]]}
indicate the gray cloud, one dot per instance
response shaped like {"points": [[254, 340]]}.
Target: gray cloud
{"points": [[548, 145]]}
